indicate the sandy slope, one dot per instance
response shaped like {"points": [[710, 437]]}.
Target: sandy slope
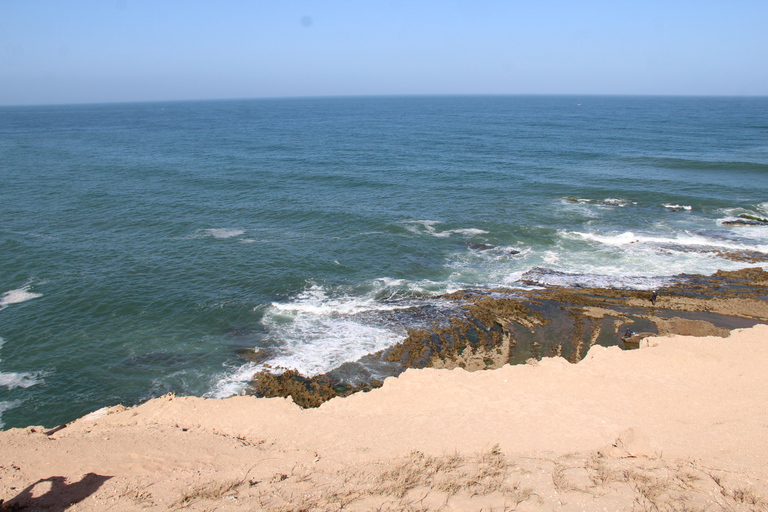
{"points": [[679, 425]]}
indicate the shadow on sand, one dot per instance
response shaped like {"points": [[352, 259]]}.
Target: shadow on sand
{"points": [[59, 497]]}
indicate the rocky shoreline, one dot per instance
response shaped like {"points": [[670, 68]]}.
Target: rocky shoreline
{"points": [[491, 328]]}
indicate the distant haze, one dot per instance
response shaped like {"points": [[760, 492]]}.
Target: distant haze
{"points": [[89, 51]]}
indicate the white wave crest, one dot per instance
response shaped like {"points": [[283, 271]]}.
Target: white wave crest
{"points": [[223, 232], [17, 296], [677, 207], [465, 232], [629, 237], [14, 380], [4, 406], [315, 345], [486, 266], [315, 301], [656, 254], [318, 330], [582, 206], [427, 227], [735, 213], [235, 382], [545, 277], [312, 344], [577, 200], [684, 240], [608, 201], [611, 201]]}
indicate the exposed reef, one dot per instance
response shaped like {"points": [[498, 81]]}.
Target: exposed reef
{"points": [[305, 391], [746, 220], [490, 328]]}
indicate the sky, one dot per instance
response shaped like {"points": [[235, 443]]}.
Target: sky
{"points": [[94, 51]]}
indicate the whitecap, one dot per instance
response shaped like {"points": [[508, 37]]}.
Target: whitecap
{"points": [[12, 380], [4, 406], [611, 201], [387, 281], [582, 206], [676, 242], [224, 232], [233, 382], [316, 301], [313, 340], [322, 327], [547, 277], [551, 257], [735, 214], [419, 227], [315, 344], [677, 207], [657, 254], [427, 227], [465, 232], [17, 296], [629, 237], [486, 266]]}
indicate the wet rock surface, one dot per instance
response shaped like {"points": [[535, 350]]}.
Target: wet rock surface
{"points": [[490, 328]]}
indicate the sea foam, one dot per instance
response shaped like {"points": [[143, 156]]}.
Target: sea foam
{"points": [[677, 207], [224, 233], [319, 329], [6, 405], [13, 380], [678, 240], [17, 296], [546, 277], [427, 227]]}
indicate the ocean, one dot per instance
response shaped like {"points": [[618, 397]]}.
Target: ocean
{"points": [[144, 246]]}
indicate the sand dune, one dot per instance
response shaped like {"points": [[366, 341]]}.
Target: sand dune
{"points": [[680, 424]]}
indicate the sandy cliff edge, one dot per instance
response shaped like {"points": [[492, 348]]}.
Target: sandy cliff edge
{"points": [[694, 404]]}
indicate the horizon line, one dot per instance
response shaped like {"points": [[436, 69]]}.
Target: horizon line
{"points": [[372, 96]]}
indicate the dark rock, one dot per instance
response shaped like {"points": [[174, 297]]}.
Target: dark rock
{"points": [[257, 356]]}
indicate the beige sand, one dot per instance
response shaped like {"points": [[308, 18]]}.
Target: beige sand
{"points": [[681, 424]]}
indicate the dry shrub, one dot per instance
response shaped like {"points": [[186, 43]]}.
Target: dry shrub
{"points": [[137, 495], [515, 495], [561, 482], [601, 474], [210, 491], [675, 486], [747, 496], [453, 474]]}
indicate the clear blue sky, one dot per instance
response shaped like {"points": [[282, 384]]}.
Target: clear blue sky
{"points": [[83, 51]]}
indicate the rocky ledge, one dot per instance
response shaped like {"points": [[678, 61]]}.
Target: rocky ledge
{"points": [[490, 328]]}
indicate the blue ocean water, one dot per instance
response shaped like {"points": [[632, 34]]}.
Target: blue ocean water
{"points": [[142, 245]]}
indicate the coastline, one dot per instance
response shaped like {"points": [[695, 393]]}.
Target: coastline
{"points": [[679, 422], [488, 329]]}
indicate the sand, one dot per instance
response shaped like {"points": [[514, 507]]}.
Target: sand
{"points": [[680, 424]]}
